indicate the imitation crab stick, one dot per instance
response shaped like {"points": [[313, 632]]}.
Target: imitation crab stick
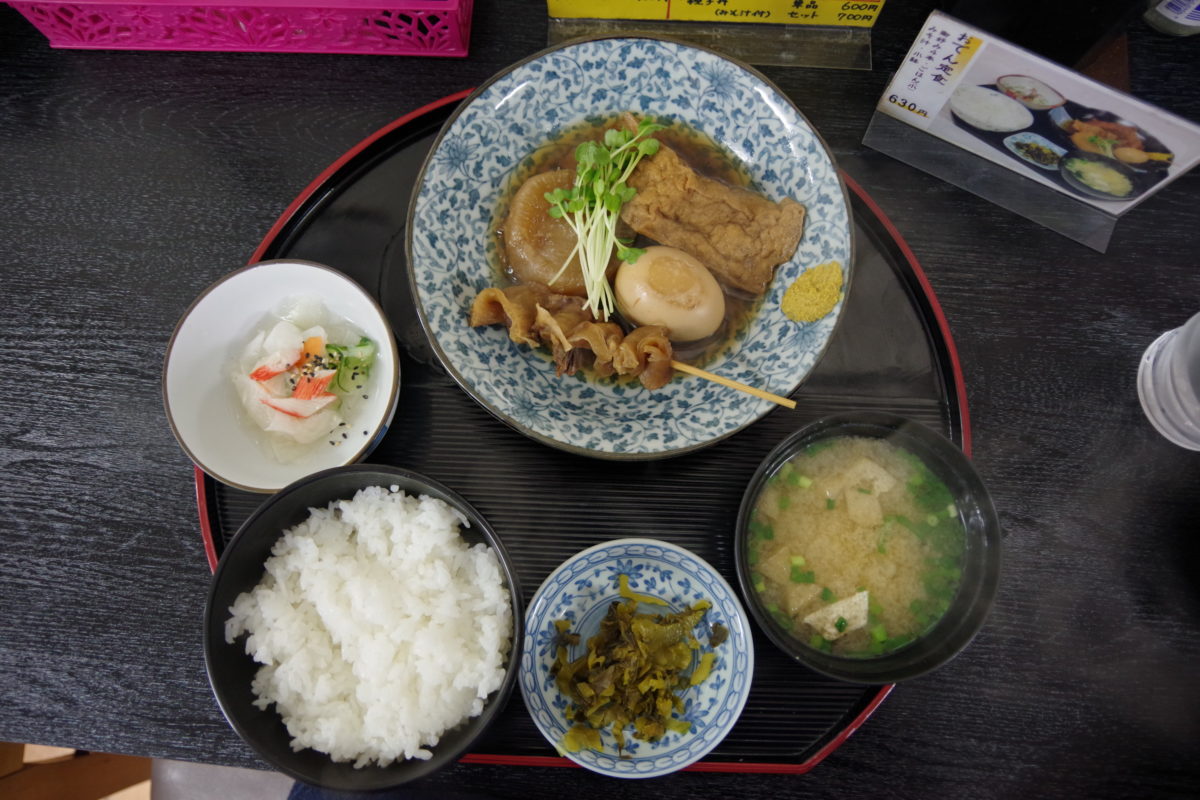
{"points": [[310, 386], [297, 407]]}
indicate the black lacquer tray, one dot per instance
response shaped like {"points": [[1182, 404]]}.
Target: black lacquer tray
{"points": [[891, 351]]}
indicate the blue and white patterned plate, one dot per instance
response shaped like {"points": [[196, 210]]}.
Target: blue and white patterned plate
{"points": [[1028, 137], [581, 590], [450, 241]]}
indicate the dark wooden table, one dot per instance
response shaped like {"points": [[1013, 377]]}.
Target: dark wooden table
{"points": [[132, 180]]}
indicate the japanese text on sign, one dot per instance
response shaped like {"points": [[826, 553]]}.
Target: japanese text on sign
{"points": [[927, 76], [844, 13]]}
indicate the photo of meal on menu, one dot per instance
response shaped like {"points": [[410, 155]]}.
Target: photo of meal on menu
{"points": [[1047, 123]]}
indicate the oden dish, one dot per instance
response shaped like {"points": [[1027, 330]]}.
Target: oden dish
{"points": [[453, 254]]}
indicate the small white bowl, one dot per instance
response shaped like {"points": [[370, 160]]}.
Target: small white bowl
{"points": [[202, 405]]}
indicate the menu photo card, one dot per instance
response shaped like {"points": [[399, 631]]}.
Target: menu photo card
{"points": [[1050, 126]]}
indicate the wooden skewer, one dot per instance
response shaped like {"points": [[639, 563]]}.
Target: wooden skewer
{"points": [[741, 387]]}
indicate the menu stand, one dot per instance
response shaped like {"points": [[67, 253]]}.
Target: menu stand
{"points": [[826, 46], [1052, 209]]}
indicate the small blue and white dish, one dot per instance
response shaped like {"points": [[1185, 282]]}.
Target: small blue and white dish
{"points": [[581, 590], [451, 244], [1032, 140]]}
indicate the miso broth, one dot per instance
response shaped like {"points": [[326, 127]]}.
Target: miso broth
{"points": [[855, 546]]}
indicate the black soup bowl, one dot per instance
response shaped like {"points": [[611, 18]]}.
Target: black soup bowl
{"points": [[231, 670], [979, 563]]}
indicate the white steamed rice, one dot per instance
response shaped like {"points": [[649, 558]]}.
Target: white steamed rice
{"points": [[378, 627]]}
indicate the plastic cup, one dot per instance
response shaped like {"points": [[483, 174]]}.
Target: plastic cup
{"points": [[1169, 384]]}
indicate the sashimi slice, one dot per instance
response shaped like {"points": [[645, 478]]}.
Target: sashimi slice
{"points": [[282, 347], [284, 339], [253, 348], [307, 430], [298, 407], [250, 392], [310, 386], [265, 370], [314, 344], [301, 430], [280, 385], [315, 332]]}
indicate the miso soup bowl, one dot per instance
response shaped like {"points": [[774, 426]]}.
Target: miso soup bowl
{"points": [[981, 557]]}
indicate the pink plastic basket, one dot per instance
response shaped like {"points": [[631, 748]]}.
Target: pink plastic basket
{"points": [[410, 27]]}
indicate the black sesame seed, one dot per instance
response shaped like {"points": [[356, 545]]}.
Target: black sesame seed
{"points": [[364, 397], [344, 435], [364, 433]]}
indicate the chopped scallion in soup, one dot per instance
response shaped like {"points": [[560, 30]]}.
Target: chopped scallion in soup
{"points": [[855, 546]]}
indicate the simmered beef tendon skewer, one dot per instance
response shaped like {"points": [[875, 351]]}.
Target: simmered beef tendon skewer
{"points": [[514, 306], [602, 340], [557, 316], [536, 316], [646, 352]]}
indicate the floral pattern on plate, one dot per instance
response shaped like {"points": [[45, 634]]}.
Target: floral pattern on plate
{"points": [[581, 590], [522, 108]]}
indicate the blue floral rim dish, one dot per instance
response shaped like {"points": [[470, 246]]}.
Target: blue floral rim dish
{"points": [[451, 243], [581, 590]]}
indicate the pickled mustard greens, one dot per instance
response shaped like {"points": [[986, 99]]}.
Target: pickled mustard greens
{"points": [[593, 205], [1038, 153], [855, 547], [632, 673]]}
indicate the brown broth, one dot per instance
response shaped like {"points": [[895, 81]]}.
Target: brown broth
{"points": [[696, 149]]}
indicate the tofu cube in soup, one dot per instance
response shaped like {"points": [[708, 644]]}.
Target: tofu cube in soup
{"points": [[863, 509], [799, 596], [777, 566], [853, 610], [865, 474]]}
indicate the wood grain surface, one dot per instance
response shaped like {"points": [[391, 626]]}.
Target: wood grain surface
{"points": [[132, 180]]}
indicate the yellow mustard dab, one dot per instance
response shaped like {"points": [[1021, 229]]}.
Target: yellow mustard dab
{"points": [[814, 294]]}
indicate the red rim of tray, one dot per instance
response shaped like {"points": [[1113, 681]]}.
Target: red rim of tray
{"points": [[935, 308]]}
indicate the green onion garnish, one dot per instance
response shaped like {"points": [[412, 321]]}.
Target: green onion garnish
{"points": [[799, 576], [593, 204]]}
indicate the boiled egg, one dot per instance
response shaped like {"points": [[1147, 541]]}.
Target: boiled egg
{"points": [[669, 287]]}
